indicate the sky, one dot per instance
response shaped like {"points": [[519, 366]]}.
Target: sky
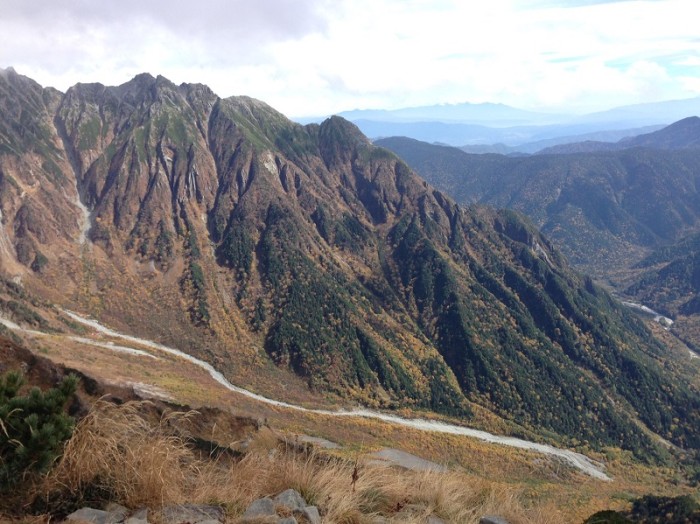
{"points": [[319, 57]]}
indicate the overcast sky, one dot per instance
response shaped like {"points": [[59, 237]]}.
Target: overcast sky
{"points": [[317, 57]]}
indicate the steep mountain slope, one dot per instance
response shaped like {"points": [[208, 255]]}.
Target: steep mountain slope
{"points": [[38, 202], [668, 281], [220, 227], [606, 211], [670, 278]]}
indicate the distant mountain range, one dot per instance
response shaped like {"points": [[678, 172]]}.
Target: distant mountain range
{"points": [[524, 139], [489, 124], [486, 114], [289, 254]]}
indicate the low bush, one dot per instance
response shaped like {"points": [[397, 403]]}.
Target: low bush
{"points": [[33, 427]]}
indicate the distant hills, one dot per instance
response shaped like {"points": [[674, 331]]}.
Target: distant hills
{"points": [[523, 131], [285, 254], [603, 208], [601, 139], [525, 139], [680, 135]]}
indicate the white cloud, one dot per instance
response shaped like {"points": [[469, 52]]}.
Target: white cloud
{"points": [[318, 57], [688, 61]]}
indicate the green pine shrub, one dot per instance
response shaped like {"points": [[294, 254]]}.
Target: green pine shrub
{"points": [[33, 427]]}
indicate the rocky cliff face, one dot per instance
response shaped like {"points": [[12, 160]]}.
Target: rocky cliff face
{"points": [[235, 234]]}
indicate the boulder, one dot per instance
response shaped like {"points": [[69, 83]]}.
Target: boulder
{"points": [[308, 514], [84, 515], [112, 514], [117, 512], [140, 517], [291, 499], [492, 519], [193, 514], [260, 509]]}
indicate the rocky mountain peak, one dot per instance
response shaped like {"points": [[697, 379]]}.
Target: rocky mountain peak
{"points": [[340, 140]]}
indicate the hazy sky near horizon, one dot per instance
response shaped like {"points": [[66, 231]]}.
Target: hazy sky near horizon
{"points": [[317, 57]]}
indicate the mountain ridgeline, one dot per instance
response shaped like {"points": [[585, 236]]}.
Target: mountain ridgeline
{"points": [[483, 126], [241, 237], [683, 134]]}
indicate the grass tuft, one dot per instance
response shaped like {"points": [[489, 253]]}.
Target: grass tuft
{"points": [[117, 454]]}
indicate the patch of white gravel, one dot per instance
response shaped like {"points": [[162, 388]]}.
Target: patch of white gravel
{"points": [[84, 222]]}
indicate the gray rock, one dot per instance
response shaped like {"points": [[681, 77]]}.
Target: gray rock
{"points": [[117, 513], [287, 520], [192, 514], [140, 517], [492, 519], [432, 519], [308, 514], [95, 516], [291, 499], [264, 507], [113, 514]]}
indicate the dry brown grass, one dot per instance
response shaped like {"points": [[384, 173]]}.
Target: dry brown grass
{"points": [[117, 453]]}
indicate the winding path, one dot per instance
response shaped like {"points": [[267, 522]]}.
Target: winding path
{"points": [[576, 460]]}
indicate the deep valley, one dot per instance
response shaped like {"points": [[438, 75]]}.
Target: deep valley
{"points": [[306, 265]]}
